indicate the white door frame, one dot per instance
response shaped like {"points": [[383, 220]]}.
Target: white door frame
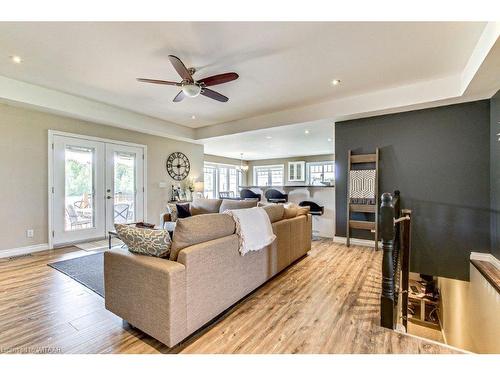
{"points": [[50, 185]]}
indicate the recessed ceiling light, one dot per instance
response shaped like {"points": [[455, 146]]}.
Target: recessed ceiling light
{"points": [[269, 137], [16, 59], [193, 117], [336, 82], [329, 139], [306, 132]]}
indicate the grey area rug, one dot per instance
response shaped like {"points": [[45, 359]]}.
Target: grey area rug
{"points": [[87, 270]]}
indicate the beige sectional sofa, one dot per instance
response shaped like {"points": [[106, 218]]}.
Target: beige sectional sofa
{"points": [[169, 299], [201, 206]]}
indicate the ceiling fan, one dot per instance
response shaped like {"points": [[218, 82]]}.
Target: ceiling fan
{"points": [[190, 87]]}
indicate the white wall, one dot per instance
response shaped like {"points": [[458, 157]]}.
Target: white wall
{"points": [[24, 164], [470, 313], [454, 312], [484, 308]]}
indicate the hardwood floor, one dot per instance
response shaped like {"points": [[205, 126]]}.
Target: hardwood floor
{"points": [[328, 302]]}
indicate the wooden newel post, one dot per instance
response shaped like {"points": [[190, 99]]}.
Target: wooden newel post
{"points": [[387, 233]]}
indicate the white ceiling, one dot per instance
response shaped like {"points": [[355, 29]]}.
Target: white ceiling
{"points": [[284, 141], [281, 65], [87, 70]]}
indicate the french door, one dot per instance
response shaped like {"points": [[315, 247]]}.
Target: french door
{"points": [[124, 185], [95, 184]]}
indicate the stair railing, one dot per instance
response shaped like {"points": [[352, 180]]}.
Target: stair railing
{"points": [[394, 228]]}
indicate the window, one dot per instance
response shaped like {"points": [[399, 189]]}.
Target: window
{"points": [[209, 181], [233, 180], [221, 177], [269, 175], [321, 173]]}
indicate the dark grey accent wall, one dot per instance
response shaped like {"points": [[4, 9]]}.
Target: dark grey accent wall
{"points": [[439, 159], [495, 174]]}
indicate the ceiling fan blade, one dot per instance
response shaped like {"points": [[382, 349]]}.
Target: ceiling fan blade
{"points": [[180, 68], [218, 79], [179, 97], [159, 82], [214, 95]]}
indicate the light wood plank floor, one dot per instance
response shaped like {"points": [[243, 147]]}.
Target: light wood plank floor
{"points": [[328, 302]]}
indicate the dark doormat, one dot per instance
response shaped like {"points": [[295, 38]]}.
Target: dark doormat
{"points": [[87, 270]]}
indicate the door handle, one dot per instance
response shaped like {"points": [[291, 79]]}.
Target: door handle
{"points": [[109, 197]]}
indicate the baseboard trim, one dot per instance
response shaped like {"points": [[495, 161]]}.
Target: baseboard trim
{"points": [[485, 257], [7, 253], [356, 241]]}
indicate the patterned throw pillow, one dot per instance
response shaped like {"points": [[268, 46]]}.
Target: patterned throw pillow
{"points": [[145, 241]]}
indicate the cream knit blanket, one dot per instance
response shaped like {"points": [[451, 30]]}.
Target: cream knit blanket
{"points": [[253, 228]]}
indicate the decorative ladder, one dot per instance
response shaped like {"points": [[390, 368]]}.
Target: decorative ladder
{"points": [[362, 208]]}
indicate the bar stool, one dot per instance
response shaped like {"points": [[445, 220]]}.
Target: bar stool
{"points": [[315, 210], [276, 196], [249, 194]]}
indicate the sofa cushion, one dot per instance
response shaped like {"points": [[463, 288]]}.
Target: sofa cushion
{"points": [[145, 241], [291, 211], [303, 210], [275, 211], [231, 204], [205, 206], [201, 228]]}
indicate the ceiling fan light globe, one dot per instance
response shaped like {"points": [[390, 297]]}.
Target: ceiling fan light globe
{"points": [[191, 90]]}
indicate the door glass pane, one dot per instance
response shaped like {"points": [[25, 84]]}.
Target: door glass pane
{"points": [[124, 185], [79, 187]]}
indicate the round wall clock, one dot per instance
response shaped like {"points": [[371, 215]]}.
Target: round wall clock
{"points": [[178, 166]]}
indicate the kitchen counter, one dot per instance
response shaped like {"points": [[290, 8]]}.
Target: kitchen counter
{"points": [[323, 225], [288, 187]]}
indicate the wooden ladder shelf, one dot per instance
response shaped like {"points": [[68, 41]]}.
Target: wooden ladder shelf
{"points": [[362, 208]]}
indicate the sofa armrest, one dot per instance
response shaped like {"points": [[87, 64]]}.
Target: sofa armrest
{"points": [[164, 218], [148, 292]]}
